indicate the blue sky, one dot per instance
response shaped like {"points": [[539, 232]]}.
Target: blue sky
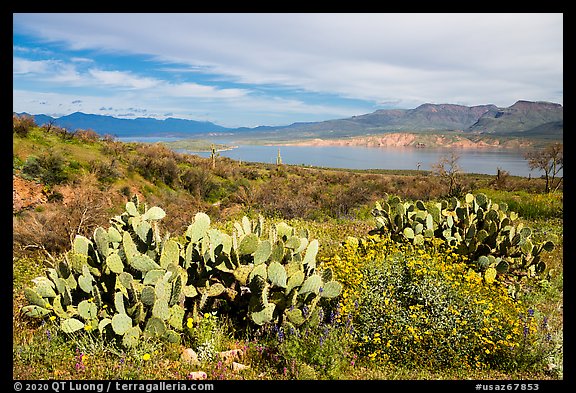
{"points": [[275, 69]]}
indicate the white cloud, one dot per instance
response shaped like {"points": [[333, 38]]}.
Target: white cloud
{"points": [[407, 59], [122, 79]]}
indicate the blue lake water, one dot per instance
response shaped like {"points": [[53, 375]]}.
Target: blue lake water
{"points": [[358, 157]]}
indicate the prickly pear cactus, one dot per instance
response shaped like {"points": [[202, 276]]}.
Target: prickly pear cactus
{"points": [[128, 282], [485, 232]]}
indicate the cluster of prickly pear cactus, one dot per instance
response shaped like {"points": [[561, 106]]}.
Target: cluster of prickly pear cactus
{"points": [[128, 282], [270, 276], [487, 233], [121, 282]]}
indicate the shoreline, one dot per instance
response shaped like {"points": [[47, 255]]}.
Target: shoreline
{"points": [[412, 141]]}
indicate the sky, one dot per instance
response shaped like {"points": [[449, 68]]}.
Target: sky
{"points": [[251, 69]]}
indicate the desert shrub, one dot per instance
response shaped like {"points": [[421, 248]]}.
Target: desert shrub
{"points": [[22, 125], [198, 181], [531, 205], [49, 168], [322, 350], [88, 135], [53, 229], [424, 307], [105, 171], [156, 163]]}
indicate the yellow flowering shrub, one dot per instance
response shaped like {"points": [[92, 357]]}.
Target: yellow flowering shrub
{"points": [[424, 307]]}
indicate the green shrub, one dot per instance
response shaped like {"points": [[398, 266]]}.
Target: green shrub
{"points": [[48, 168], [423, 307], [22, 125]]}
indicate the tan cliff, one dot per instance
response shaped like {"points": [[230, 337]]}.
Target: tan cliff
{"points": [[401, 139]]}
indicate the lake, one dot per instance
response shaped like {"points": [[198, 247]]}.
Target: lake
{"points": [[359, 157]]}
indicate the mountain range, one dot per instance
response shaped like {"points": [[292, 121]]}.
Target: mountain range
{"points": [[524, 118]]}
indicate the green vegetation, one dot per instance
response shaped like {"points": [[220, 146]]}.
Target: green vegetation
{"points": [[196, 145], [258, 271]]}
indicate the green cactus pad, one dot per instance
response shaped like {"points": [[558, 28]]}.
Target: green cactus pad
{"points": [[293, 267], [148, 295], [34, 297], [154, 213], [246, 225], [190, 291], [258, 270], [161, 309], [144, 231], [102, 241], [103, 324], [58, 308], [172, 337], [125, 279], [119, 302], [137, 312], [311, 285], [264, 316], [71, 325], [284, 231], [293, 243], [114, 263], [277, 252], [114, 235], [527, 247], [548, 246], [131, 209], [163, 290], [85, 282], [295, 316], [121, 323], [81, 245], [277, 275], [77, 261], [418, 239], [331, 289], [176, 291], [155, 327], [409, 233], [263, 252], [45, 287], [197, 230], [303, 245], [215, 289], [87, 310], [170, 254], [152, 276], [311, 252], [143, 263], [242, 273], [248, 245], [34, 311], [131, 337], [176, 319]]}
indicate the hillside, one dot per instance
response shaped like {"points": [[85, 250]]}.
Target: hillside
{"points": [[532, 119], [71, 184], [536, 117]]}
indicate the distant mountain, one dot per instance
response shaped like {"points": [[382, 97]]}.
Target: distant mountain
{"points": [[131, 127], [529, 119], [524, 118], [520, 117]]}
